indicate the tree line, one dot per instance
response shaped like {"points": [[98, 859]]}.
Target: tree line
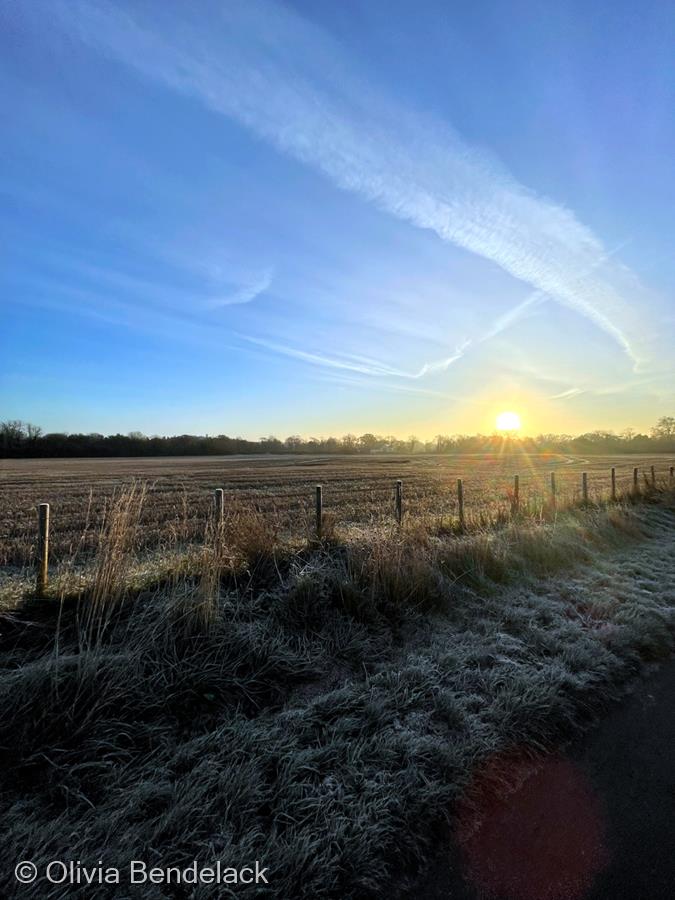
{"points": [[24, 440]]}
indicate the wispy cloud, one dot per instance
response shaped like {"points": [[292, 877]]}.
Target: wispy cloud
{"points": [[91, 304], [501, 323], [358, 364], [348, 363], [175, 287], [441, 365], [284, 79], [388, 386], [245, 293], [568, 394]]}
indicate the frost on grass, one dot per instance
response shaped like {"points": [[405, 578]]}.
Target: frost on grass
{"points": [[327, 710]]}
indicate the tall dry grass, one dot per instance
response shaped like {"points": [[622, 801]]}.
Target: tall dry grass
{"points": [[249, 543]]}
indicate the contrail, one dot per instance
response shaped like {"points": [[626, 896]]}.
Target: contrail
{"points": [[354, 363], [513, 315], [286, 81]]}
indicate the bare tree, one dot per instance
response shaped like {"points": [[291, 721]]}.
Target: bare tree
{"points": [[12, 435], [664, 428], [369, 441], [349, 442], [33, 432], [442, 441]]}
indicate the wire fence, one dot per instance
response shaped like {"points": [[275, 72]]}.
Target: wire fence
{"points": [[533, 498]]}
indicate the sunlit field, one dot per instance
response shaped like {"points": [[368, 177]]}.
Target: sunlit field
{"points": [[357, 491]]}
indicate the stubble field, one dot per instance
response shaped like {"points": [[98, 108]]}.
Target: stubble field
{"points": [[357, 490]]}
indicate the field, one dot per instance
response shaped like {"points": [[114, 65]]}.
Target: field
{"points": [[357, 491], [336, 709]]}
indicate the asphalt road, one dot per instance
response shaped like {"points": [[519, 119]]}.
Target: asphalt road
{"points": [[594, 823]]}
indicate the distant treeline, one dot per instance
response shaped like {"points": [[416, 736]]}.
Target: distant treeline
{"points": [[23, 440]]}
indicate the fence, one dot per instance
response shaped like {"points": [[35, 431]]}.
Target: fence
{"points": [[42, 576]]}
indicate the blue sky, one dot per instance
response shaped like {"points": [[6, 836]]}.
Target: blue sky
{"points": [[317, 217]]}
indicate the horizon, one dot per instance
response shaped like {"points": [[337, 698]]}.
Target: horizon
{"points": [[661, 431], [329, 219]]}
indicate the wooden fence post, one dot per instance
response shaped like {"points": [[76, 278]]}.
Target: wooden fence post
{"points": [[516, 493], [613, 484], [584, 487], [653, 473], [399, 501], [219, 503], [319, 511], [553, 488], [460, 503], [635, 480], [43, 550]]}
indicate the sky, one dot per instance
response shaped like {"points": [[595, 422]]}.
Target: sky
{"points": [[256, 217]]}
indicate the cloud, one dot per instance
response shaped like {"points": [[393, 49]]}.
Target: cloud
{"points": [[501, 323], [245, 293], [350, 364], [358, 364], [178, 286], [286, 81], [392, 387], [441, 365], [567, 395]]}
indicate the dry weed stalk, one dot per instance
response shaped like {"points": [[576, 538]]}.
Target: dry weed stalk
{"points": [[116, 543]]}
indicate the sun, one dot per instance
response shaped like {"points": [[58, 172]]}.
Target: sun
{"points": [[507, 421]]}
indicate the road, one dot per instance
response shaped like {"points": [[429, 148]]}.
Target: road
{"points": [[595, 821]]}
